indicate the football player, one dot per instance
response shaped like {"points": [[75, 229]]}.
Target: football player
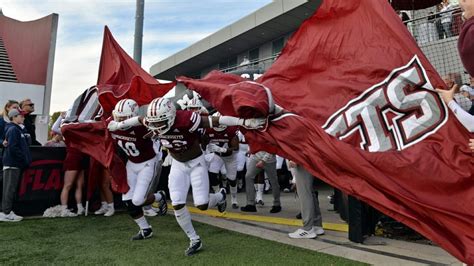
{"points": [[241, 160], [224, 143], [177, 131], [143, 165]]}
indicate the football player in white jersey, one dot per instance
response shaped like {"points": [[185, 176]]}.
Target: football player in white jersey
{"points": [[223, 142], [241, 160], [143, 165], [177, 131]]}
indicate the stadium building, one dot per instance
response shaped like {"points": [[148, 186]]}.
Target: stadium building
{"points": [[250, 45]]}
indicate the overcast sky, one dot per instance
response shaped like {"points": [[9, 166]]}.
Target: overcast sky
{"points": [[170, 25]]}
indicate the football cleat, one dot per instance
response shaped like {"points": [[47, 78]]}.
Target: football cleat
{"points": [[222, 205], [194, 246], [150, 212], [260, 202], [235, 206], [163, 209], [143, 234]]}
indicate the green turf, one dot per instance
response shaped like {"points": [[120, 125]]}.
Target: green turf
{"points": [[101, 240]]}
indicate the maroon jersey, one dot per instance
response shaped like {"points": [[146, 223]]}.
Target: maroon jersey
{"points": [[131, 141], [184, 132], [221, 138]]}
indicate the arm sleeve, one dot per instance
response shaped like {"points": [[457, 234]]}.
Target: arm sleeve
{"points": [[230, 121], [464, 117], [194, 122], [131, 122], [57, 124]]}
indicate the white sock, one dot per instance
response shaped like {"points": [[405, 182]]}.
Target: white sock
{"points": [[157, 196], [183, 217], [63, 207], [256, 186], [260, 187], [214, 199], [267, 182], [215, 188], [142, 223], [110, 206], [80, 207], [233, 190], [104, 203]]}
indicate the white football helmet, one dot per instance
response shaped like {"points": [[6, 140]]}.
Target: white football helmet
{"points": [[194, 105], [160, 115], [220, 127], [125, 109]]}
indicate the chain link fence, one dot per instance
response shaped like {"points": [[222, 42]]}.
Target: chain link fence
{"points": [[437, 36]]}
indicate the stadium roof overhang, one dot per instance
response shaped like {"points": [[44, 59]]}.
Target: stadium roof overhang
{"points": [[268, 23]]}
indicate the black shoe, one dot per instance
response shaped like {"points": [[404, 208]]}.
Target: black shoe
{"points": [[143, 234], [248, 208], [222, 205], [235, 206], [163, 209], [331, 199], [260, 202], [275, 209], [298, 216], [194, 246]]}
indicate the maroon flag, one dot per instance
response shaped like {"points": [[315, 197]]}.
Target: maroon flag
{"points": [[120, 77], [362, 115]]}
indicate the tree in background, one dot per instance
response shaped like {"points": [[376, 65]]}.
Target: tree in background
{"points": [[52, 119]]}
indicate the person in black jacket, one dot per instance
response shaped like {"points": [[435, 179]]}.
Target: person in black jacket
{"points": [[16, 157], [29, 107]]}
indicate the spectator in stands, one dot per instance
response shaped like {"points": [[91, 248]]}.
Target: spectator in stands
{"points": [[463, 116], [451, 81], [467, 91], [428, 31], [56, 140], [446, 18], [310, 212], [4, 120], [11, 104], [29, 107], [403, 16], [437, 21], [16, 157]]}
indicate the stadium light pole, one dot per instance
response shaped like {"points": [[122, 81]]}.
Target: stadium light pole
{"points": [[137, 47]]}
